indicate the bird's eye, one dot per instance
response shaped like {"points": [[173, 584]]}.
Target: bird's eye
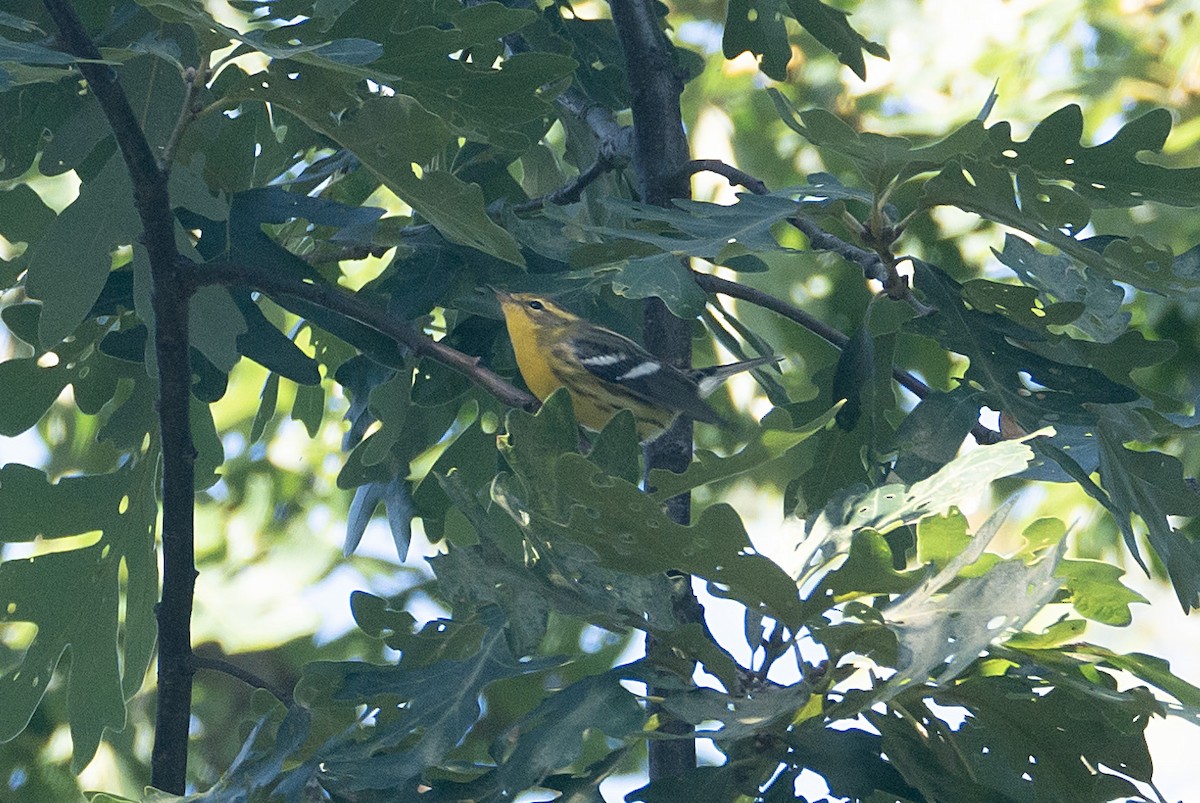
{"points": [[535, 304]]}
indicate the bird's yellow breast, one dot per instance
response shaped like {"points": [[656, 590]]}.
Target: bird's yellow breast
{"points": [[531, 359]]}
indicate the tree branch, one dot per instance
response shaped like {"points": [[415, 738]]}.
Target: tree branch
{"points": [[169, 297], [873, 267], [570, 192], [821, 240], [872, 264], [660, 150], [614, 139], [246, 676], [715, 284], [367, 313], [734, 175]]}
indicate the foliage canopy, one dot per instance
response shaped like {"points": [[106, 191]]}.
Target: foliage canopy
{"points": [[345, 177]]}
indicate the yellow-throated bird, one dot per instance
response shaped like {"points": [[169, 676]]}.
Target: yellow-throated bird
{"points": [[605, 371]]}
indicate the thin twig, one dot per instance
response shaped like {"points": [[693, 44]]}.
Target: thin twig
{"points": [[169, 298], [715, 284], [872, 265], [570, 192], [197, 78], [244, 675], [365, 312], [820, 240], [879, 264], [599, 118], [734, 175], [345, 252]]}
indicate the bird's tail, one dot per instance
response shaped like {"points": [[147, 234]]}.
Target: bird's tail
{"points": [[707, 379]]}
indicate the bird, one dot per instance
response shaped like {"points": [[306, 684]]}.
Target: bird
{"points": [[604, 371]]}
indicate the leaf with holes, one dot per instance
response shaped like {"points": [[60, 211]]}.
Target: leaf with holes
{"points": [[1006, 363]]}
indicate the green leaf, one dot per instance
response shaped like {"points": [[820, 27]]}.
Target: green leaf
{"points": [[868, 571], [1067, 281], [337, 54], [456, 209], [485, 99], [944, 623], [1111, 173], [30, 53], [706, 229], [390, 135], [884, 509], [1097, 592], [1022, 739], [389, 403], [550, 737], [774, 439], [269, 347], [440, 705], [32, 390], [1018, 303], [470, 578], [831, 27], [1061, 632], [210, 453], [1054, 206], [31, 506], [532, 446], [1152, 485], [216, 326], [23, 219], [70, 264], [880, 160], [852, 376], [309, 408], [739, 716], [941, 539], [757, 26], [568, 577], [987, 190], [18, 23], [833, 460], [54, 93], [601, 73], [963, 479], [1003, 353], [87, 622], [851, 761], [74, 140], [73, 597], [1150, 669], [630, 531], [616, 449], [930, 436], [662, 276], [470, 455]]}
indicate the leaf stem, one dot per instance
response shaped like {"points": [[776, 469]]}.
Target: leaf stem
{"points": [[197, 78]]}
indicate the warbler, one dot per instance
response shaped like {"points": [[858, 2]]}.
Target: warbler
{"points": [[605, 371]]}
